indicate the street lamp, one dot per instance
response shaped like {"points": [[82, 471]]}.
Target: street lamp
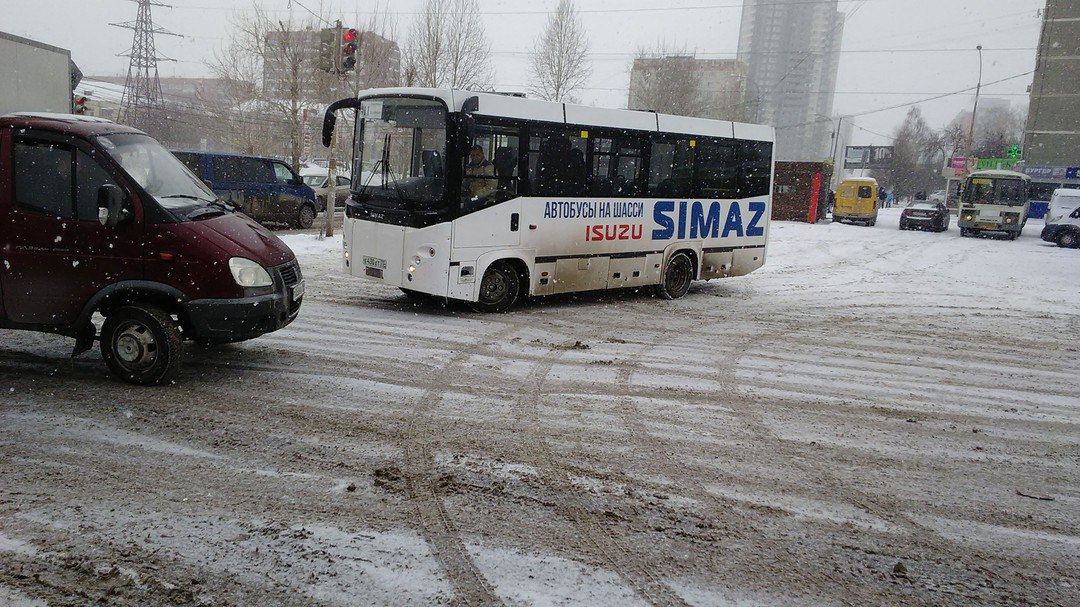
{"points": [[971, 131]]}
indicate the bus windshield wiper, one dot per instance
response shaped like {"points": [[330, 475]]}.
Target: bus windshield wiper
{"points": [[387, 175]]}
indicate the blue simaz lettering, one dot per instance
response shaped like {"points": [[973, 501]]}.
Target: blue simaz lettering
{"points": [[703, 219], [667, 224], [702, 224], [734, 220], [752, 228]]}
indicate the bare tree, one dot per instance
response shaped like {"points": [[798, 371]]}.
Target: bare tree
{"points": [[664, 80], [274, 58], [559, 63], [448, 46]]}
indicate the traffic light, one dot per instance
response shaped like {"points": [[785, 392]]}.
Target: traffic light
{"points": [[1014, 151], [328, 50], [350, 43]]}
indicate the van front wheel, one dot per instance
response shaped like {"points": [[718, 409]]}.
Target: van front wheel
{"points": [[1067, 239], [141, 345]]}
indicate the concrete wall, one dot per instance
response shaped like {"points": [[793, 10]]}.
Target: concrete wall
{"points": [[36, 77]]}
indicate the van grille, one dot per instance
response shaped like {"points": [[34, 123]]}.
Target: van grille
{"points": [[290, 273]]}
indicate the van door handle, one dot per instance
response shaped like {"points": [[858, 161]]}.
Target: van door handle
{"points": [[513, 222]]}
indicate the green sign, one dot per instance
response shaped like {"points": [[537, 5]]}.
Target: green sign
{"points": [[995, 163], [1014, 152]]}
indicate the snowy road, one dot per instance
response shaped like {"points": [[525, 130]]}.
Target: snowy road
{"points": [[874, 418]]}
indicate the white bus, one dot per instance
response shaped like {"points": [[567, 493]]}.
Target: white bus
{"points": [[994, 201], [485, 197]]}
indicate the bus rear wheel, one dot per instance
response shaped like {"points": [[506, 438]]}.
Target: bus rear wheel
{"points": [[499, 288], [677, 276]]}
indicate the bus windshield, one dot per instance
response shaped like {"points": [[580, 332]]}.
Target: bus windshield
{"points": [[987, 190], [400, 152]]}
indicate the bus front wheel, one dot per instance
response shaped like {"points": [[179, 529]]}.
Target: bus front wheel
{"points": [[677, 276], [499, 288]]}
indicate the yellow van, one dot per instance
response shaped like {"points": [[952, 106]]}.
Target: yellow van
{"points": [[857, 200]]}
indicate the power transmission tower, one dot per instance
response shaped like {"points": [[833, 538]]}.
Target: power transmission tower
{"points": [[142, 105]]}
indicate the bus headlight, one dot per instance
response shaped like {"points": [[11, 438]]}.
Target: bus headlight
{"points": [[968, 217], [416, 260]]}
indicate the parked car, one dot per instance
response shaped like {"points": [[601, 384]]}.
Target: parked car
{"points": [[937, 196], [99, 218], [318, 180], [925, 215], [1063, 219], [268, 190]]}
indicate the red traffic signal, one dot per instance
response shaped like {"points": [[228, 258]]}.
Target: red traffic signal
{"points": [[350, 44]]}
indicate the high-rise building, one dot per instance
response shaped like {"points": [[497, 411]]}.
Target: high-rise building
{"points": [[791, 48], [1052, 136], [720, 87]]}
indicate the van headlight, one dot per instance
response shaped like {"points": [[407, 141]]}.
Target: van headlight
{"points": [[247, 273]]}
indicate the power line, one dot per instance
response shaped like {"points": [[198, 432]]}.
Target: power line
{"points": [[551, 12], [900, 105]]}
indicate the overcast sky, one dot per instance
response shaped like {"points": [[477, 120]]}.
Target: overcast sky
{"points": [[894, 51]]}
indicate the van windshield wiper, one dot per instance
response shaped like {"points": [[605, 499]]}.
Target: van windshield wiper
{"points": [[187, 196]]}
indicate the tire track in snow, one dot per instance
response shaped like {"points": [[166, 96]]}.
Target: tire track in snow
{"points": [[635, 571], [470, 585]]}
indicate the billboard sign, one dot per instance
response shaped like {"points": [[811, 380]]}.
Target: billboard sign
{"points": [[995, 163], [868, 156]]}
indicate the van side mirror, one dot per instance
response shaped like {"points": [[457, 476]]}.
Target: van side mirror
{"points": [[111, 211], [208, 183]]}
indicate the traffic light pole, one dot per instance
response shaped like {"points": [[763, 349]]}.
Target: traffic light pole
{"points": [[331, 170]]}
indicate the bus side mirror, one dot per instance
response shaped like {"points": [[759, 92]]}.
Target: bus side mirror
{"points": [[329, 122], [466, 133], [111, 211]]}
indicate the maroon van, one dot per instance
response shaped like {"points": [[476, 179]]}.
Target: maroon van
{"points": [[99, 218]]}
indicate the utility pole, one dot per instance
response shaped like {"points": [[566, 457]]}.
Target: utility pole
{"points": [[331, 170], [142, 105], [978, 86]]}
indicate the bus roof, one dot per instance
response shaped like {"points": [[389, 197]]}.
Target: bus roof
{"points": [[863, 179], [509, 106], [1000, 174]]}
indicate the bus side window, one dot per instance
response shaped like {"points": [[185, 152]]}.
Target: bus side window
{"points": [[670, 167], [556, 163], [716, 175], [490, 172], [755, 168], [616, 167]]}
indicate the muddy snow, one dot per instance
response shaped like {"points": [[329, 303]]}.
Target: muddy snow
{"points": [[874, 418]]}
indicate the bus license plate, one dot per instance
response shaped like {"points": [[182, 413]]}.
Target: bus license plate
{"points": [[298, 291], [374, 262], [373, 272]]}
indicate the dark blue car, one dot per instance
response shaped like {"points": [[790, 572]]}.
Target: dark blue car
{"points": [[268, 190]]}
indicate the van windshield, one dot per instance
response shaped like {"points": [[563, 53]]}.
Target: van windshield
{"points": [[162, 175]]}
